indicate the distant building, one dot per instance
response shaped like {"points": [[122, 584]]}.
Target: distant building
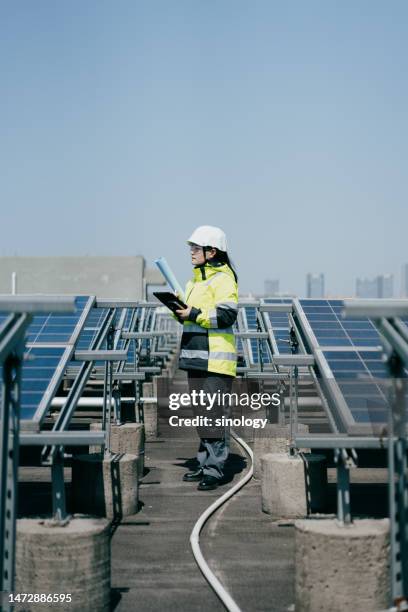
{"points": [[385, 286], [271, 287], [404, 284], [366, 288], [315, 285], [382, 286]]}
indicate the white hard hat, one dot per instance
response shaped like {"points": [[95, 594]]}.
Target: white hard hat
{"points": [[208, 235]]}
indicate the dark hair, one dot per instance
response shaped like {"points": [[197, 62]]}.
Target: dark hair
{"points": [[222, 257]]}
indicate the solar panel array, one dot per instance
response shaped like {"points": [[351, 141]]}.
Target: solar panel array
{"points": [[52, 339], [48, 348], [352, 349]]}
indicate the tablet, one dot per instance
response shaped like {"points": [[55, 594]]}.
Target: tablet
{"points": [[170, 300]]}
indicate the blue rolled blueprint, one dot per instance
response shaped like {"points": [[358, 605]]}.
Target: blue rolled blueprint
{"points": [[164, 268]]}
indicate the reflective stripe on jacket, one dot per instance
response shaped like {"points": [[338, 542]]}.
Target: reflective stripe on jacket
{"points": [[208, 341]]}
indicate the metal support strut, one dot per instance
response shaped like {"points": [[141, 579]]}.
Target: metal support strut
{"points": [[108, 391], [293, 394], [9, 423], [398, 483], [344, 460]]}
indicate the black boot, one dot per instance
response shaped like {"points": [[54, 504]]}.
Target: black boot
{"points": [[193, 476], [208, 483]]}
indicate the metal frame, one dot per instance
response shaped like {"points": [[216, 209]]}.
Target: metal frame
{"points": [[263, 332], [336, 407], [35, 422], [339, 414], [12, 335], [80, 381], [385, 315], [11, 359], [264, 309], [108, 390], [106, 331], [36, 304], [334, 403], [242, 324], [12, 341], [332, 441], [54, 455], [281, 367], [138, 322], [376, 308], [72, 438]]}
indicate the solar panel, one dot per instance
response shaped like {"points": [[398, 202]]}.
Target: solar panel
{"points": [[40, 369], [360, 377], [49, 344], [52, 328], [331, 330], [352, 350]]}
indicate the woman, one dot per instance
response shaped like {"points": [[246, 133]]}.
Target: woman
{"points": [[208, 350]]}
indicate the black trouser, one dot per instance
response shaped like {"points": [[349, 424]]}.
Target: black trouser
{"points": [[214, 441]]}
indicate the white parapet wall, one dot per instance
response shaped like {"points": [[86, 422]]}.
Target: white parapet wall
{"points": [[105, 277]]}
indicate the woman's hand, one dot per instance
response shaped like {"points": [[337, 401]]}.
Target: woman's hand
{"points": [[183, 313]]}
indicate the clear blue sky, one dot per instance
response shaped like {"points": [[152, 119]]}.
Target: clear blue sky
{"points": [[126, 124]]}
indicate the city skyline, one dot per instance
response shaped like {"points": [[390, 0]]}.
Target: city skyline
{"points": [[378, 286]]}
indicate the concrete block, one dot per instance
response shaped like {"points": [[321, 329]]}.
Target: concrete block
{"points": [[71, 559], [173, 364], [128, 438], [147, 389], [272, 439], [161, 389], [105, 485], [151, 420], [150, 410], [283, 486], [292, 487], [342, 567]]}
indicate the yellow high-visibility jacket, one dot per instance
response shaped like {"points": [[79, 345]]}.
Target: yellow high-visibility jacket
{"points": [[208, 341]]}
